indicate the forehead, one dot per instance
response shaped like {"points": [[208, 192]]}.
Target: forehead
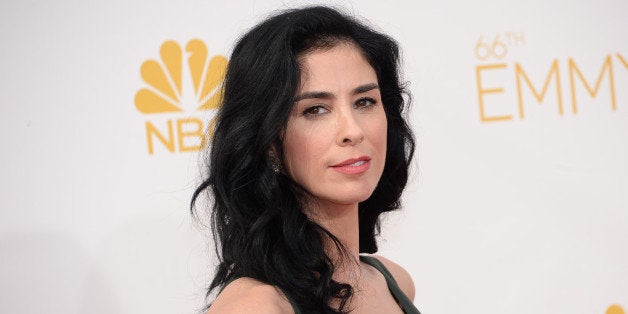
{"points": [[343, 65]]}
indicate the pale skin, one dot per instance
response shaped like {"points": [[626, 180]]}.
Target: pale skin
{"points": [[339, 116]]}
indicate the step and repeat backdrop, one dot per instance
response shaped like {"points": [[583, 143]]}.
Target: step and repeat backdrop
{"points": [[518, 201]]}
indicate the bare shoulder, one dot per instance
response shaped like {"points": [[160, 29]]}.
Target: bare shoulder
{"points": [[247, 295], [403, 278]]}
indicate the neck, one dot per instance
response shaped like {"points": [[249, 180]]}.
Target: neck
{"points": [[342, 221]]}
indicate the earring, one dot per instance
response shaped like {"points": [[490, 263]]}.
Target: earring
{"points": [[275, 163]]}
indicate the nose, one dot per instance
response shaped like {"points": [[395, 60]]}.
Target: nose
{"points": [[350, 131]]}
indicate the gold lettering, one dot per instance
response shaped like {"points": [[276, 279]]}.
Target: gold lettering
{"points": [[482, 91], [623, 61], [197, 132], [152, 130], [539, 97], [573, 68]]}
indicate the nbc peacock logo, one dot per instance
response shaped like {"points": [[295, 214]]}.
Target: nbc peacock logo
{"points": [[172, 91]]}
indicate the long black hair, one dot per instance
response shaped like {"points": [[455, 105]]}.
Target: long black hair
{"points": [[257, 216]]}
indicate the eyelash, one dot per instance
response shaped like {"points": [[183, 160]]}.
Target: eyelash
{"points": [[371, 101], [310, 111]]}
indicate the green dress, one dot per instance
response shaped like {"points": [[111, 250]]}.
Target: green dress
{"points": [[406, 304]]}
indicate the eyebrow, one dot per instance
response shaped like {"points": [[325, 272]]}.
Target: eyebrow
{"points": [[327, 95]]}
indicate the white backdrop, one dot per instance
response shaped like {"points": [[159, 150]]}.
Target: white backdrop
{"points": [[513, 206]]}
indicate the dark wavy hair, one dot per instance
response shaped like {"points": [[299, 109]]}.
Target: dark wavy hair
{"points": [[257, 216]]}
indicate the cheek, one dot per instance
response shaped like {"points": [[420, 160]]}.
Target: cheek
{"points": [[378, 133], [304, 148]]}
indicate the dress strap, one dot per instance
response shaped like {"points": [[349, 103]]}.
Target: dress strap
{"points": [[406, 304], [295, 307]]}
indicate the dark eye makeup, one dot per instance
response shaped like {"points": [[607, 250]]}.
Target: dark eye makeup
{"points": [[314, 110], [364, 102]]}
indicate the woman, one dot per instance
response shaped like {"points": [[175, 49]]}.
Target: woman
{"points": [[309, 148]]}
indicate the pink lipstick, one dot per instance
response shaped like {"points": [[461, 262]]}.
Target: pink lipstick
{"points": [[353, 165]]}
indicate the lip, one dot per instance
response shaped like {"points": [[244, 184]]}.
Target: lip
{"points": [[353, 165]]}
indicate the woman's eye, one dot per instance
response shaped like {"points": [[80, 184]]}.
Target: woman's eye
{"points": [[314, 111], [364, 103]]}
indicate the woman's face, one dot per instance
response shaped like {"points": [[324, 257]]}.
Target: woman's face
{"points": [[335, 139]]}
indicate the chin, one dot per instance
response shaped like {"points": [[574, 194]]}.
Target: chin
{"points": [[352, 198]]}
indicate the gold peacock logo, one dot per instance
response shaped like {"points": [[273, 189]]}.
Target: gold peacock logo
{"points": [[615, 309], [165, 93]]}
